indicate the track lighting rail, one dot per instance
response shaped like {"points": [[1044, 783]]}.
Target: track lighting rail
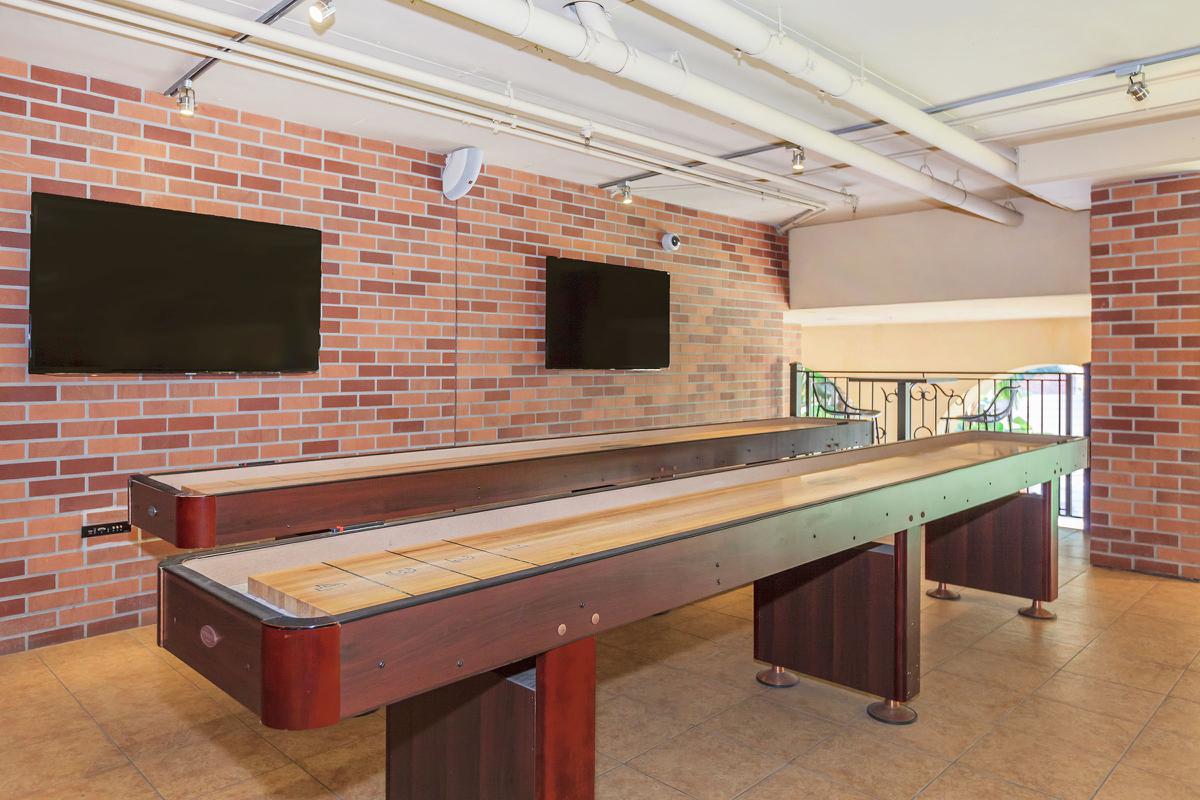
{"points": [[375, 79], [962, 102], [268, 17]]}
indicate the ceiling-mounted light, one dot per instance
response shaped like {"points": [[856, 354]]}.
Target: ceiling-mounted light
{"points": [[797, 160], [321, 12], [185, 97], [1137, 86], [626, 193]]}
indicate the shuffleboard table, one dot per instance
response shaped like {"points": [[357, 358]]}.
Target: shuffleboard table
{"points": [[211, 507], [476, 629]]}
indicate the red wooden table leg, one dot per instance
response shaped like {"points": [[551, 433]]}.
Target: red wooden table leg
{"points": [[566, 722], [1009, 546], [906, 654], [851, 618], [526, 732]]}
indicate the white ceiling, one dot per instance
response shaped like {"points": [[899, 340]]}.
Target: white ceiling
{"points": [[931, 51]]}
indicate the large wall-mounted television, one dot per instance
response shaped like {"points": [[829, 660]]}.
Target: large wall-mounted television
{"points": [[117, 288], [603, 316]]}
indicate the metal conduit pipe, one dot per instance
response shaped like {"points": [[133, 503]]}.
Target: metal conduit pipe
{"points": [[524, 20], [722, 21], [204, 43], [277, 38]]}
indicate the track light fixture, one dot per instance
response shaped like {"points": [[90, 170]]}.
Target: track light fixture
{"points": [[321, 12], [797, 160], [185, 97], [1137, 86], [626, 193]]}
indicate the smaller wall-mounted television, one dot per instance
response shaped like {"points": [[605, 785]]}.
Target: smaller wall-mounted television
{"points": [[603, 316], [117, 288]]}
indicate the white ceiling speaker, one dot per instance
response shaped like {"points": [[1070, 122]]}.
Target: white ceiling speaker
{"points": [[461, 170]]}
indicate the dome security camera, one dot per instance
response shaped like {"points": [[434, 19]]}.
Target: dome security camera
{"points": [[671, 242]]}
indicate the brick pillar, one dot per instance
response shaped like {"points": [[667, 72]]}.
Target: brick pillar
{"points": [[1146, 375]]}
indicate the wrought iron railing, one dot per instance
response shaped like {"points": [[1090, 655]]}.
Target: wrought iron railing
{"points": [[913, 404]]}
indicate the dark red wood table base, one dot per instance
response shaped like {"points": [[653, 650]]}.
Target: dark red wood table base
{"points": [[1008, 546], [526, 732], [852, 618]]}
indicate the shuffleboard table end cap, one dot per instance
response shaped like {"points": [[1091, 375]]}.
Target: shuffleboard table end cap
{"points": [[195, 522], [301, 673], [188, 521]]}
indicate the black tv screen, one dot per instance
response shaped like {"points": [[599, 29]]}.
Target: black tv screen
{"points": [[121, 288], [601, 316]]}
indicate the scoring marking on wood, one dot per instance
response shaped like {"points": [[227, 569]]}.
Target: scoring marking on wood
{"points": [[472, 561], [346, 584], [402, 573], [318, 589]]}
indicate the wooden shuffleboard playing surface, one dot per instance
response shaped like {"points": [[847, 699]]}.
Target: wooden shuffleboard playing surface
{"points": [[273, 476], [205, 508], [337, 585]]}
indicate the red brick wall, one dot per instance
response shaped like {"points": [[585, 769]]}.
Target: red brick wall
{"points": [[1146, 375], [396, 371]]}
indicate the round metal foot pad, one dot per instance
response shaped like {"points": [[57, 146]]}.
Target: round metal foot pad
{"points": [[892, 712], [778, 678], [943, 592], [1037, 611]]}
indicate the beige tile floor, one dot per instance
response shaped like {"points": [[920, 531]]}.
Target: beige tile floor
{"points": [[1104, 702]]}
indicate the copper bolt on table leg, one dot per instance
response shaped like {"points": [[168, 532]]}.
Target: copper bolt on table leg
{"points": [[778, 677], [943, 592], [892, 712], [1037, 611]]}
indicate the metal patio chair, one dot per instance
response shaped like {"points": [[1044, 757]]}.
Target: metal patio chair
{"points": [[1001, 408], [833, 403]]}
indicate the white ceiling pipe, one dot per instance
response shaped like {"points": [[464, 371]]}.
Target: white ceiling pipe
{"points": [[717, 18], [217, 50], [524, 20], [592, 14], [177, 9], [178, 37]]}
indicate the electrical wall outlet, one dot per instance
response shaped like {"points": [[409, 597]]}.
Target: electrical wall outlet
{"points": [[104, 529]]}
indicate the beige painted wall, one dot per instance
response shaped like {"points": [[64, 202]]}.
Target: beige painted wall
{"points": [[947, 346], [938, 255]]}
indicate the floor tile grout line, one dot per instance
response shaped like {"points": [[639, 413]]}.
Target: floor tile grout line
{"points": [[1000, 778], [1142, 730], [992, 727], [955, 761], [1164, 697], [158, 651], [279, 750], [760, 693], [792, 761], [100, 727], [833, 779], [999, 722]]}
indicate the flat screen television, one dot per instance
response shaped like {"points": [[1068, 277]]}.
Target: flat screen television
{"points": [[602, 316], [127, 289]]}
